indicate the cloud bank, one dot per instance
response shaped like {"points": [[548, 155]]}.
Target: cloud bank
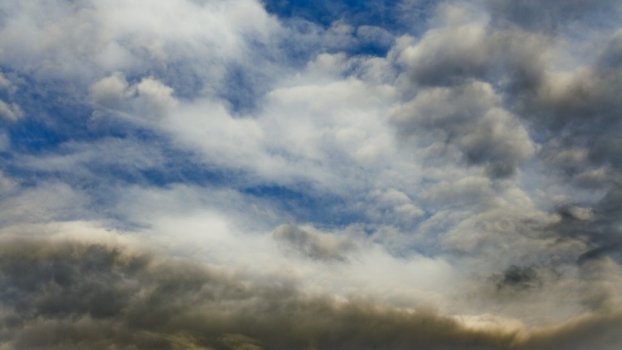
{"points": [[69, 294]]}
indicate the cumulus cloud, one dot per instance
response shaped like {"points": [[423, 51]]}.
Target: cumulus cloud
{"points": [[149, 97], [41, 37], [469, 117]]}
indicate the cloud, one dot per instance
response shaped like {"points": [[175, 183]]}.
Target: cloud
{"points": [[149, 98], [551, 112], [78, 293], [125, 35], [335, 192], [6, 84], [469, 117], [552, 16], [131, 299], [517, 277], [47, 202], [313, 245], [11, 112], [289, 141]]}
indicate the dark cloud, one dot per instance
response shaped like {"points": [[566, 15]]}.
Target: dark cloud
{"points": [[477, 67], [579, 117], [584, 333], [599, 226], [571, 117], [577, 110], [75, 295], [470, 118], [454, 55], [518, 278]]}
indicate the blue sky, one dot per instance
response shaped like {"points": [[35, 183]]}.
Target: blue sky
{"points": [[449, 161]]}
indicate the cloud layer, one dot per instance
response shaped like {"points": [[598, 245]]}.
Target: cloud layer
{"points": [[70, 294]]}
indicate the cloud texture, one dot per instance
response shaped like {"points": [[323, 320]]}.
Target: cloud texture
{"points": [[412, 174], [69, 294]]}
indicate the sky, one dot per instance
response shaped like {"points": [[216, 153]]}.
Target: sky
{"points": [[280, 174]]}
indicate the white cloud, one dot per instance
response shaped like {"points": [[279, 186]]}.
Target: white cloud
{"points": [[83, 40]]}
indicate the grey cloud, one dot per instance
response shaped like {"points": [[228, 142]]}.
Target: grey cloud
{"points": [[518, 278], [313, 245], [552, 15], [584, 104], [458, 54], [506, 234], [572, 161], [540, 293], [586, 333], [469, 117], [448, 56], [580, 109], [475, 193], [578, 117], [599, 226], [611, 57], [73, 295], [573, 116]]}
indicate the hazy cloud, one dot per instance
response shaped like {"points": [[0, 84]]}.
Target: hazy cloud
{"points": [[11, 112], [553, 16], [314, 245]]}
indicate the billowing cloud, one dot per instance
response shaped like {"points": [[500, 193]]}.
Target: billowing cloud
{"points": [[471, 119]]}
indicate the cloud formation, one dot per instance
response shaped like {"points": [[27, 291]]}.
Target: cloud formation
{"points": [[436, 174], [470, 118], [66, 294], [313, 245]]}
